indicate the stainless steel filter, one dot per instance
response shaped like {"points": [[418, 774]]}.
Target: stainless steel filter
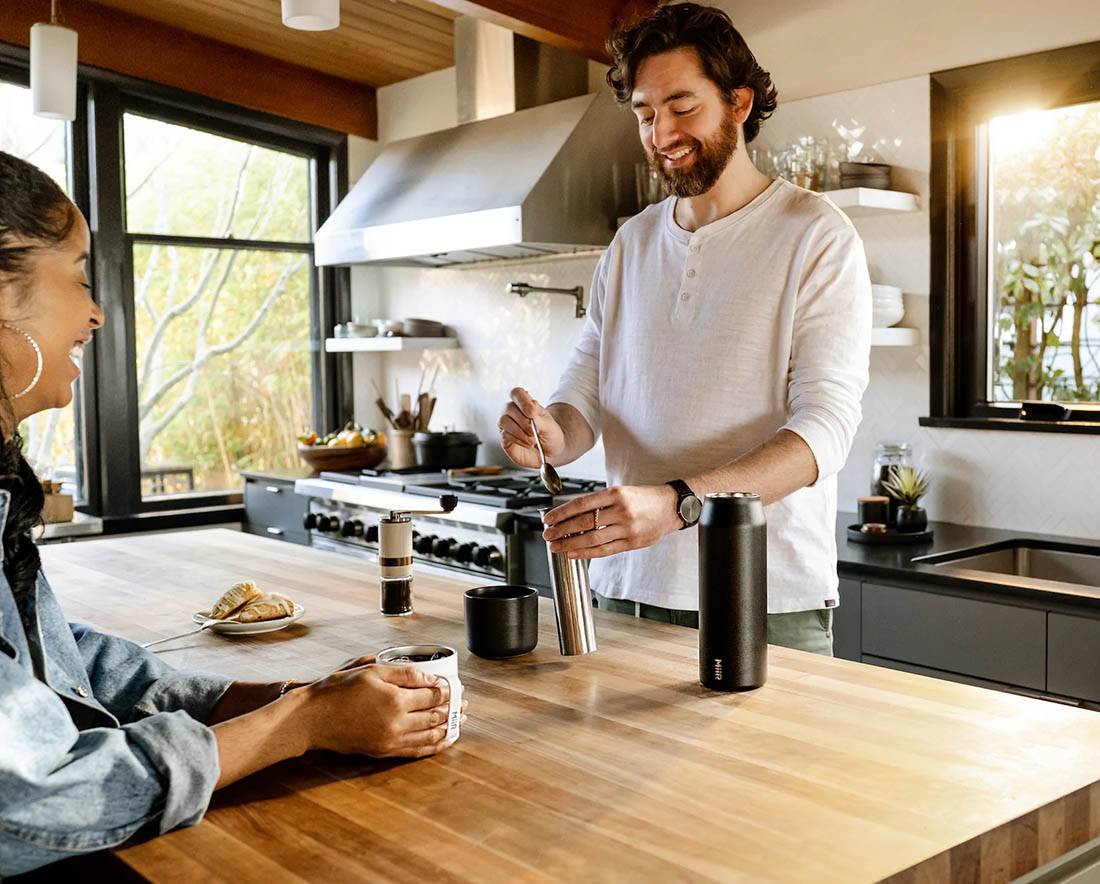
{"points": [[733, 592], [572, 604]]}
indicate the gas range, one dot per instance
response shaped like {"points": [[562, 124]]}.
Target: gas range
{"points": [[494, 532]]}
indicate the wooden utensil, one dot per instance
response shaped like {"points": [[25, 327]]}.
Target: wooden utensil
{"points": [[423, 412], [467, 472], [385, 409], [404, 417]]}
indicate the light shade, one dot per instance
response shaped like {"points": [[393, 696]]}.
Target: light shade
{"points": [[311, 15], [53, 71]]}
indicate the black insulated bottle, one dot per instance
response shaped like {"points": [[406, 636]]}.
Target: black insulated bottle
{"points": [[733, 592]]}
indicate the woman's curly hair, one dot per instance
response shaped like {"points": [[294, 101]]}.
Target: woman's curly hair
{"points": [[34, 214], [725, 57]]}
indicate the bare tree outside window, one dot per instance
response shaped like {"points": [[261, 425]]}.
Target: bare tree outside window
{"points": [[51, 436], [1045, 255], [223, 333]]}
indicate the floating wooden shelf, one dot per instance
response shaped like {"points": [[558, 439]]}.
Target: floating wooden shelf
{"points": [[387, 345], [894, 337]]}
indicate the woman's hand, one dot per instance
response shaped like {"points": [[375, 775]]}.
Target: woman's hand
{"points": [[379, 711], [516, 437], [365, 709]]}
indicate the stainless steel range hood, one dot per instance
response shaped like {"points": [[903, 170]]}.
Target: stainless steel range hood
{"points": [[548, 179]]}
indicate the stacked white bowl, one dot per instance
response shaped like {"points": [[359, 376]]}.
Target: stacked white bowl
{"points": [[887, 307]]}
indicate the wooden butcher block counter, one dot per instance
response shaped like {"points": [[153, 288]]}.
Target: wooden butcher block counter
{"points": [[618, 766]]}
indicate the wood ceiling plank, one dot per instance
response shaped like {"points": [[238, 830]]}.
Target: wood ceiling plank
{"points": [[149, 50], [374, 44]]}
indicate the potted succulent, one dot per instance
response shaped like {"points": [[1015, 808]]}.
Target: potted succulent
{"points": [[907, 486]]}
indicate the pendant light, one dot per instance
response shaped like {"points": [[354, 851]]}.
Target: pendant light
{"points": [[53, 69], [311, 15]]}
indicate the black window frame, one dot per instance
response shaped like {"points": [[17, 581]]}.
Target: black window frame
{"points": [[962, 101], [110, 457]]}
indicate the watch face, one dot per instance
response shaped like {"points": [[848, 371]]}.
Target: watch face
{"points": [[691, 509]]}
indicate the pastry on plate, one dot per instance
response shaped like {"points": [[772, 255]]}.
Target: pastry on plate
{"points": [[269, 606], [234, 599]]}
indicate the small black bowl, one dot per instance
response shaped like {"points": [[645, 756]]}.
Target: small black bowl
{"points": [[501, 621]]}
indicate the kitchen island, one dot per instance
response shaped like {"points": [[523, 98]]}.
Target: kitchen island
{"points": [[616, 766]]}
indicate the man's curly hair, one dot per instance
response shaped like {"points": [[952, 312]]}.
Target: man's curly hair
{"points": [[725, 57]]}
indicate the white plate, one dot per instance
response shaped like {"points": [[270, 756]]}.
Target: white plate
{"points": [[232, 628]]}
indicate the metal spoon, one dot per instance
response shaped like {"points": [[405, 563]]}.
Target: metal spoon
{"points": [[206, 624], [551, 481]]}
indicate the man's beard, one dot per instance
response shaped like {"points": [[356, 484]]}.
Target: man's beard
{"points": [[711, 158]]}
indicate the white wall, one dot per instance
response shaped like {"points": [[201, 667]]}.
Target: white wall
{"points": [[815, 47]]}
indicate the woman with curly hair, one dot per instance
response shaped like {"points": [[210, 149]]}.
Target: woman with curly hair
{"points": [[99, 739]]}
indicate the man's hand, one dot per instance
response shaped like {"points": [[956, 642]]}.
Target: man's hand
{"points": [[612, 521], [516, 437]]}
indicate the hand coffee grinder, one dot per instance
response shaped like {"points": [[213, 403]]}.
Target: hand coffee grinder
{"points": [[395, 556]]}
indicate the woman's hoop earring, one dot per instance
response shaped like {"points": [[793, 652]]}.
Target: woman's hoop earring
{"points": [[38, 357]]}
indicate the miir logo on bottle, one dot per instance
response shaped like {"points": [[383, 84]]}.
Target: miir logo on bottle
{"points": [[717, 668]]}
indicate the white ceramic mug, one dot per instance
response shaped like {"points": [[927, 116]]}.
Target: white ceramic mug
{"points": [[446, 667]]}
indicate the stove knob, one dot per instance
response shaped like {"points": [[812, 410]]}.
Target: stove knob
{"points": [[494, 560], [310, 521], [351, 528], [371, 534], [442, 548], [465, 553], [328, 524], [424, 544]]}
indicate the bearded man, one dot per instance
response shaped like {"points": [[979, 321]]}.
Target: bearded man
{"points": [[726, 347]]}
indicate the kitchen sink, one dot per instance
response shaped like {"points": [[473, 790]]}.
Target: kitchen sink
{"points": [[1033, 559]]}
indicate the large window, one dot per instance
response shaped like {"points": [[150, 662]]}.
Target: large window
{"points": [[52, 438], [222, 272], [211, 360], [1016, 243], [1044, 246]]}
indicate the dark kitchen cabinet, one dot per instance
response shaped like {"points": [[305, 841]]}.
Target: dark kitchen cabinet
{"points": [[846, 621], [1073, 661], [272, 509], [985, 639]]}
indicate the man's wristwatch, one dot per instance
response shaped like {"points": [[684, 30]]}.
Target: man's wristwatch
{"points": [[688, 506]]}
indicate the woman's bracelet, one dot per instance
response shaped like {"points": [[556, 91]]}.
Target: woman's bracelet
{"points": [[284, 687]]}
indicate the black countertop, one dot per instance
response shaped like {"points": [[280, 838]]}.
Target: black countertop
{"points": [[896, 560], [291, 474]]}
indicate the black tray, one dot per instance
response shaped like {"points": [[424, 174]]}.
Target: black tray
{"points": [[892, 536]]}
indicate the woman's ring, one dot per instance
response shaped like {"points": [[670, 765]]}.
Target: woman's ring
{"points": [[596, 520]]}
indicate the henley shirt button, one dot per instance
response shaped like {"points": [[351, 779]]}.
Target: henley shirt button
{"points": [[81, 691], [693, 250], [684, 296], [691, 273]]}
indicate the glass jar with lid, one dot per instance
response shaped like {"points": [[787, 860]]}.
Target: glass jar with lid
{"points": [[889, 455]]}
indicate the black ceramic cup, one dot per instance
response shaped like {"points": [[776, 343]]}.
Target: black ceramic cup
{"points": [[501, 621]]}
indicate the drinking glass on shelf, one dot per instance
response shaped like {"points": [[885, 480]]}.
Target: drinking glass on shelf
{"points": [[647, 185]]}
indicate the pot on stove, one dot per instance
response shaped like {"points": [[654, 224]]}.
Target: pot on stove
{"points": [[445, 451]]}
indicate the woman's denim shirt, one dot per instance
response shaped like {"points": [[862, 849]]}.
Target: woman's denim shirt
{"points": [[98, 737]]}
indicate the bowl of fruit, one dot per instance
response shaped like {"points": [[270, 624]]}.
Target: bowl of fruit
{"points": [[351, 448]]}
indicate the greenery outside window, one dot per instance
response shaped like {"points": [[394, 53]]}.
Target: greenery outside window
{"points": [[210, 360], [53, 439], [1016, 243], [222, 271]]}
